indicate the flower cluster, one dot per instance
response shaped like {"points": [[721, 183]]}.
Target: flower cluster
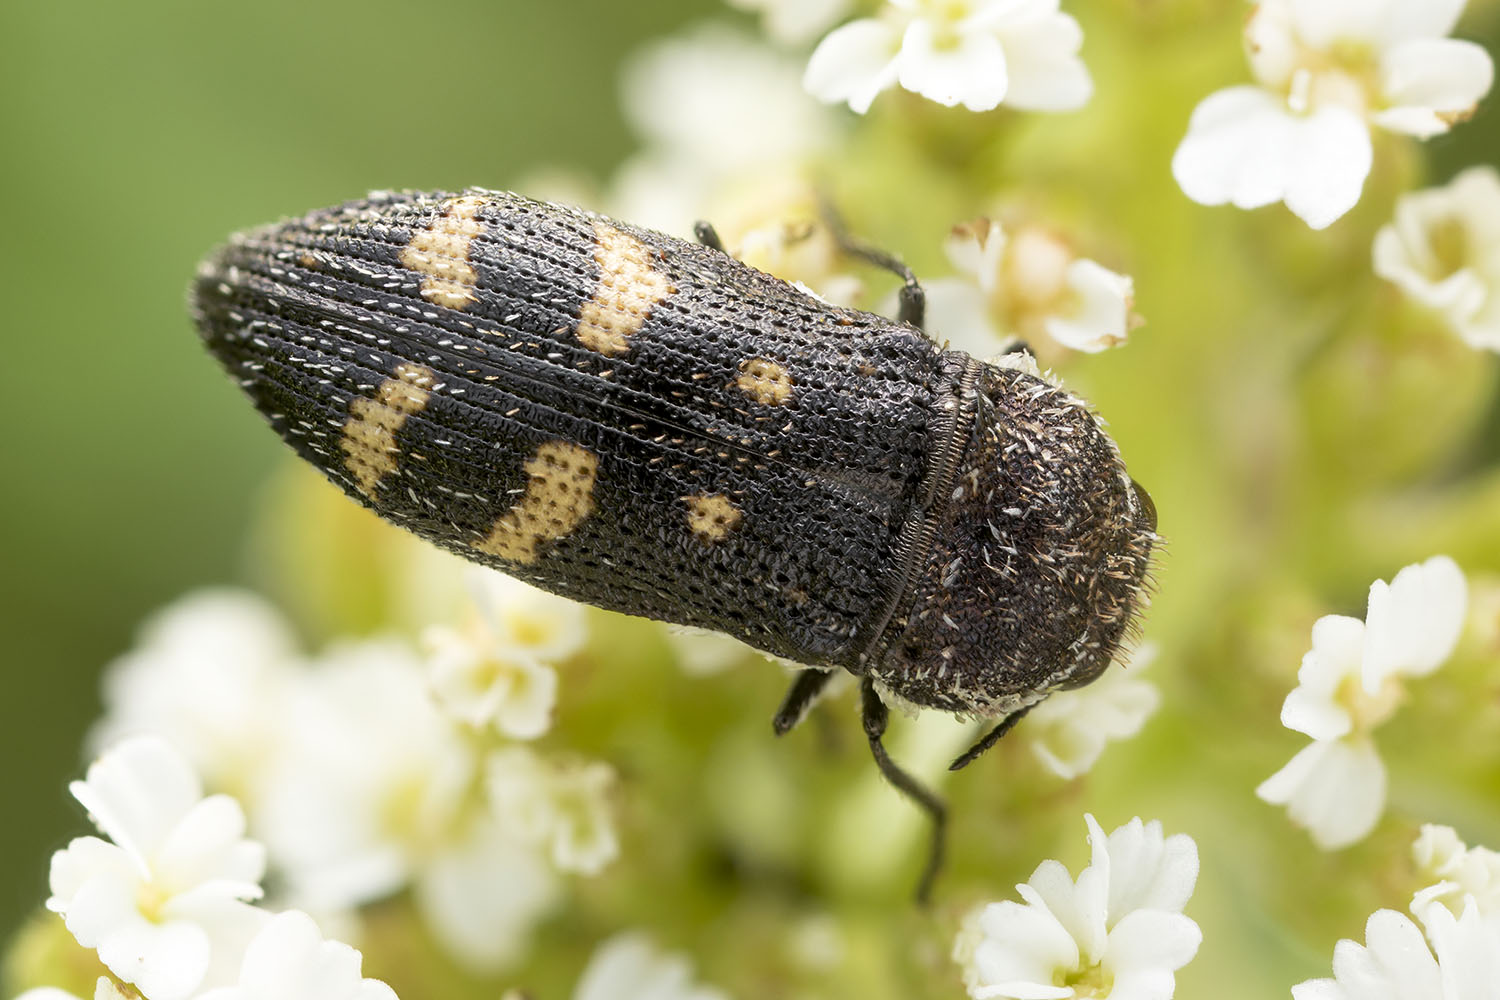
{"points": [[1326, 72], [351, 815], [1452, 950], [1350, 682], [165, 901], [1117, 931]]}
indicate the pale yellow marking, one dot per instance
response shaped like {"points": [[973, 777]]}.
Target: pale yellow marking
{"points": [[441, 251], [627, 289], [559, 497], [712, 516], [369, 440], [764, 381]]}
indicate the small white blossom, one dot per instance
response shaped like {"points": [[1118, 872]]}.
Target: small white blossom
{"points": [[1117, 932], [1069, 730], [1443, 250], [977, 53], [210, 674], [716, 109], [484, 682], [379, 791], [1025, 285], [544, 626], [701, 652], [1462, 874], [563, 807], [1349, 683], [1328, 70], [1396, 962], [795, 21], [289, 960], [629, 967], [162, 904]]}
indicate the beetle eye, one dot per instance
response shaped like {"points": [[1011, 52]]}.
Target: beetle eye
{"points": [[1148, 508]]}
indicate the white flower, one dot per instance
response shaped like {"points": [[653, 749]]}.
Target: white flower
{"points": [[164, 902], [701, 652], [1348, 685], [483, 894], [629, 967], [794, 21], [544, 626], [373, 778], [563, 807], [1463, 874], [1395, 962], [977, 53], [1117, 932], [210, 674], [1024, 285], [1069, 730], [1443, 250], [379, 791], [715, 108], [1327, 71], [289, 960], [484, 682]]}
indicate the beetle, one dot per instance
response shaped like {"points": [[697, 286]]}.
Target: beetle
{"points": [[649, 425]]}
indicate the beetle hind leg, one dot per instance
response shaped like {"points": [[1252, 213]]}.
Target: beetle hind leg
{"points": [[876, 716]]}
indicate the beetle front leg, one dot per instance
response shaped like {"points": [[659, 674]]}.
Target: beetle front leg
{"points": [[705, 233], [800, 697], [876, 716], [989, 739], [912, 300]]}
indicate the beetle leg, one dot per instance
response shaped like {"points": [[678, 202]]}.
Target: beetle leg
{"points": [[705, 233], [800, 697], [912, 307], [876, 716], [989, 739], [1015, 345]]}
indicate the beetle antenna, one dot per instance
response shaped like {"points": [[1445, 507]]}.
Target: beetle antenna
{"points": [[876, 716]]}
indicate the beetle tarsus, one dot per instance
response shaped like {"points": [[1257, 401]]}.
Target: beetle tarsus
{"points": [[989, 739], [876, 716], [705, 233], [800, 697]]}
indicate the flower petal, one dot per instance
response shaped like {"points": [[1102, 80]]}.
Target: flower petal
{"points": [[1429, 83], [1334, 788], [1413, 623], [1042, 60], [163, 961], [1100, 318], [137, 791], [853, 63]]}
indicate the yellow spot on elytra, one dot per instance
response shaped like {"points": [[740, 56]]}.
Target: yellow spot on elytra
{"points": [[712, 516], [441, 251], [559, 497], [764, 381], [627, 289], [369, 440]]}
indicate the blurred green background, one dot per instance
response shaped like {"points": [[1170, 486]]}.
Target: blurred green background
{"points": [[139, 135]]}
